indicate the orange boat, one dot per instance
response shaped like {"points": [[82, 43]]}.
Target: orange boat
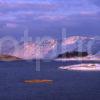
{"points": [[38, 81]]}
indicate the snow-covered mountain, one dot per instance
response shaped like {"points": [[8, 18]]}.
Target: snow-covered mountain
{"points": [[51, 47], [82, 44], [36, 50]]}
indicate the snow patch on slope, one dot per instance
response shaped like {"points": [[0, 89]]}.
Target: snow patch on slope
{"points": [[35, 50]]}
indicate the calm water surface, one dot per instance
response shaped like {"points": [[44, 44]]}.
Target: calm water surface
{"points": [[67, 85]]}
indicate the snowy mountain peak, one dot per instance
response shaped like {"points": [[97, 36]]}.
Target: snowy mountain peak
{"points": [[73, 39], [36, 49], [81, 43]]}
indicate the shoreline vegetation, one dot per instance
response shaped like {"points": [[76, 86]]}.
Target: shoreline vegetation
{"points": [[72, 54], [75, 55]]}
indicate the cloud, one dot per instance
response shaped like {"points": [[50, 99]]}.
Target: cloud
{"points": [[45, 9], [50, 17], [96, 2], [11, 25], [7, 17], [28, 6]]}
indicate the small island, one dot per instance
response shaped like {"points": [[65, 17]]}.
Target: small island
{"points": [[9, 58]]}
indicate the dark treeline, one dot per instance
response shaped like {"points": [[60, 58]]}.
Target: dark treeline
{"points": [[72, 54]]}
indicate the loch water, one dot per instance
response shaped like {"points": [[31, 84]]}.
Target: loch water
{"points": [[66, 85]]}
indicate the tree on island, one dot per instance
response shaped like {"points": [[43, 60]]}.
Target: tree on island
{"points": [[73, 54]]}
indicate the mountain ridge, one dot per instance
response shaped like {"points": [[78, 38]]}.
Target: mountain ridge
{"points": [[50, 48]]}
